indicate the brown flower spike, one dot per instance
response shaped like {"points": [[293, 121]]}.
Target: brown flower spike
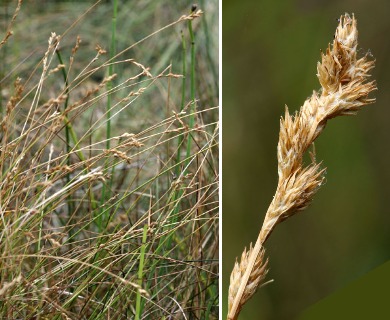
{"points": [[345, 89]]}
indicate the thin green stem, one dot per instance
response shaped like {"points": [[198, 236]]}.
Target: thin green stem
{"points": [[106, 190], [67, 134], [178, 194], [208, 49], [111, 71], [183, 97], [138, 309], [192, 77]]}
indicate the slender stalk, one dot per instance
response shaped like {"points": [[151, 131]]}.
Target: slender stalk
{"points": [[178, 194], [138, 309], [183, 98], [70, 134], [192, 90], [111, 71], [208, 50], [106, 191], [67, 125]]}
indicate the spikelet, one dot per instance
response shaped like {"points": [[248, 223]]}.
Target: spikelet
{"points": [[257, 276]]}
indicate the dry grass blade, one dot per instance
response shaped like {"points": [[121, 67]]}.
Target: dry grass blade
{"points": [[345, 89]]}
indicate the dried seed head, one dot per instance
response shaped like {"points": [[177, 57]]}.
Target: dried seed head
{"points": [[256, 277], [345, 90], [341, 72]]}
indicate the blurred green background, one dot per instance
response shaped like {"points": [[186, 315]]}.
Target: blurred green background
{"points": [[270, 51]]}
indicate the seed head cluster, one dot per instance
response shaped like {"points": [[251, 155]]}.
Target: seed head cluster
{"points": [[345, 89]]}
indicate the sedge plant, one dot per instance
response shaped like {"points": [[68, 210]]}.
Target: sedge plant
{"points": [[109, 189]]}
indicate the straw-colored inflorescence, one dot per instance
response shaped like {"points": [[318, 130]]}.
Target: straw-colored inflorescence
{"points": [[256, 277], [345, 89]]}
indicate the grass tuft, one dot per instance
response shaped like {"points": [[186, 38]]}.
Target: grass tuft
{"points": [[103, 213]]}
